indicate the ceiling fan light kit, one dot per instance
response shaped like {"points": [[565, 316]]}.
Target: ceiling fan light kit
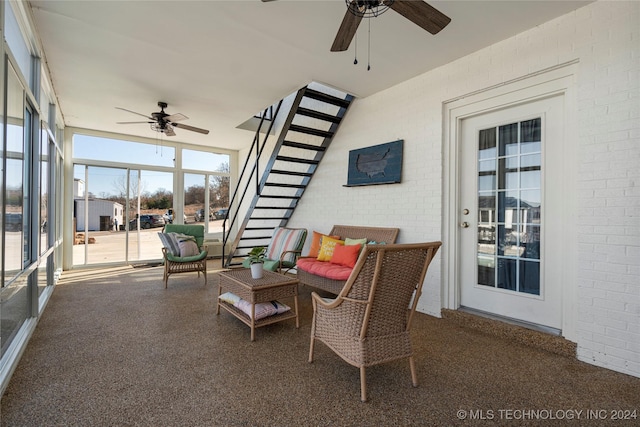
{"points": [[368, 8], [165, 123]]}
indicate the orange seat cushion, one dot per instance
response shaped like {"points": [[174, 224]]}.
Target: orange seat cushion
{"points": [[324, 269]]}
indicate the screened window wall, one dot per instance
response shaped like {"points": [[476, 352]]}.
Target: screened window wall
{"points": [[31, 156], [125, 191]]}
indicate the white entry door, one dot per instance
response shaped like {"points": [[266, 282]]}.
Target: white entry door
{"points": [[511, 204]]}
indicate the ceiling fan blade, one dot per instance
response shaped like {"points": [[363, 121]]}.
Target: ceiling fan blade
{"points": [[422, 14], [176, 117], [129, 123], [143, 115], [346, 32], [169, 131], [191, 128]]}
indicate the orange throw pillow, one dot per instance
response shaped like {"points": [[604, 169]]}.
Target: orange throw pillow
{"points": [[346, 255]]}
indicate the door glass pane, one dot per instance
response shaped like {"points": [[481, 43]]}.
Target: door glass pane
{"points": [[14, 193], [486, 270], [508, 173], [14, 305], [507, 274], [219, 185], [15, 296], [531, 136], [508, 140], [194, 198], [530, 277], [509, 201], [487, 144], [99, 194], [531, 242], [44, 191], [150, 198]]}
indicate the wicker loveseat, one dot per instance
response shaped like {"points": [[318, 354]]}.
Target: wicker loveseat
{"points": [[314, 273]]}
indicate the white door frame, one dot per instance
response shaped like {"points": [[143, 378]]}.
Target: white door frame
{"points": [[553, 81]]}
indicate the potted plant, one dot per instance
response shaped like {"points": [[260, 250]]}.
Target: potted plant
{"points": [[256, 259]]}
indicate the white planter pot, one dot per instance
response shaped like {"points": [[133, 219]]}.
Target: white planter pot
{"points": [[256, 271]]}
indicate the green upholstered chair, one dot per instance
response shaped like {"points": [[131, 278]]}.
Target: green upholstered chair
{"points": [[173, 263], [284, 249]]}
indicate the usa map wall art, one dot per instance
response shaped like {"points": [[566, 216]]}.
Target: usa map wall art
{"points": [[378, 164]]}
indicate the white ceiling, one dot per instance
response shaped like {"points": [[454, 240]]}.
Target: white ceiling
{"points": [[220, 62]]}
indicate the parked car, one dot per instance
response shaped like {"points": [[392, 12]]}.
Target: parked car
{"points": [[221, 213], [199, 215], [147, 221], [168, 217], [13, 221]]}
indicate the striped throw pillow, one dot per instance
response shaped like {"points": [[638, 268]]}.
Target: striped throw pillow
{"points": [[169, 241]]}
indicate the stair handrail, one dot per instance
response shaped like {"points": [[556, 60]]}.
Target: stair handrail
{"points": [[258, 149]]}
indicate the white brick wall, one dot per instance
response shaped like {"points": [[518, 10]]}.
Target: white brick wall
{"points": [[605, 38]]}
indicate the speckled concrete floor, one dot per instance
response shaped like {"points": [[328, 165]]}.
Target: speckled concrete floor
{"points": [[116, 348]]}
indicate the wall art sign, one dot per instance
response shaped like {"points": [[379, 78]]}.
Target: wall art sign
{"points": [[378, 164]]}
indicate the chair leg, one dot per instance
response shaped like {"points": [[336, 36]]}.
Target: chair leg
{"points": [[414, 375], [363, 384], [311, 348], [313, 330], [166, 275]]}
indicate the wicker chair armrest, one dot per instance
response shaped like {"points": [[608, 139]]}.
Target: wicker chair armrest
{"points": [[283, 254], [321, 303]]}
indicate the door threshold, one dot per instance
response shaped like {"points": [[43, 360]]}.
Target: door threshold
{"points": [[511, 321]]}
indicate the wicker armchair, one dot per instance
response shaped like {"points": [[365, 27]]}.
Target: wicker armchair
{"points": [[175, 264], [369, 322], [284, 249]]}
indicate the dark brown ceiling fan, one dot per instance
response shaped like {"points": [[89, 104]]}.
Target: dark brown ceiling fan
{"points": [[417, 11], [163, 122], [420, 13]]}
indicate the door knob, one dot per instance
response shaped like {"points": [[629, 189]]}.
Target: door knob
{"points": [[464, 224]]}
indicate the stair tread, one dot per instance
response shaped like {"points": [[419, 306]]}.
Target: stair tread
{"points": [[318, 115], [303, 146], [283, 172], [282, 185], [320, 96], [310, 131], [297, 160]]}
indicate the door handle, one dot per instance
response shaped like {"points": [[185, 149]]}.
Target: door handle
{"points": [[464, 224]]}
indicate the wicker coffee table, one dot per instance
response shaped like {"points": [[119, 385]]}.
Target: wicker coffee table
{"points": [[270, 287]]}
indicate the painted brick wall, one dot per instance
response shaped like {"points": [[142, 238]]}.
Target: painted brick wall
{"points": [[604, 37]]}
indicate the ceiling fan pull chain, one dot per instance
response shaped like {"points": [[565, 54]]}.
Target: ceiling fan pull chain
{"points": [[355, 56], [369, 48]]}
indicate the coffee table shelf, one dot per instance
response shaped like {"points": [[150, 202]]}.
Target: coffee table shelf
{"points": [[272, 286]]}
